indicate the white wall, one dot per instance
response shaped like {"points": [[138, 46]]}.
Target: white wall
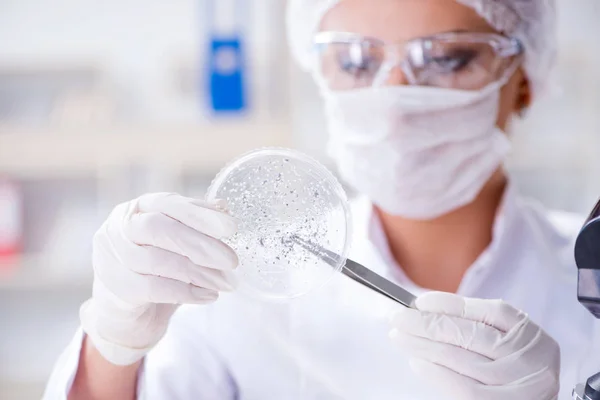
{"points": [[140, 42]]}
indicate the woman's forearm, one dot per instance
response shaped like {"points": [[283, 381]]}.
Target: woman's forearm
{"points": [[97, 379]]}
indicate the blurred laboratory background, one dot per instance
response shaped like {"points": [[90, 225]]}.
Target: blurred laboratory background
{"points": [[101, 101]]}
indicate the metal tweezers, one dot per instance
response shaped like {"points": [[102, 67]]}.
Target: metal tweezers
{"points": [[360, 274]]}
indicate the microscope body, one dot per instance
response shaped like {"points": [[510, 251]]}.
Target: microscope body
{"points": [[588, 391], [587, 258]]}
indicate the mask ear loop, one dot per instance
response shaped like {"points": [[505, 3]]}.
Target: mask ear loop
{"points": [[500, 83], [516, 49]]}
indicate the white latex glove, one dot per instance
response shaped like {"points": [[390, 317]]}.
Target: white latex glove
{"points": [[151, 255], [472, 349]]}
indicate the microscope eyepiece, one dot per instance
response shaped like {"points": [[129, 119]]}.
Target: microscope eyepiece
{"points": [[587, 258]]}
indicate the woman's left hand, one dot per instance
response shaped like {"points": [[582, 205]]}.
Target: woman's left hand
{"points": [[472, 349]]}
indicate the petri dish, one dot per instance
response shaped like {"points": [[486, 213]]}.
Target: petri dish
{"points": [[276, 194]]}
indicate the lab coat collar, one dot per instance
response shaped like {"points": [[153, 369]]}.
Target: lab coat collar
{"points": [[370, 243]]}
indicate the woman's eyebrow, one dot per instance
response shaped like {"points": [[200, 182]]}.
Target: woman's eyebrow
{"points": [[455, 31], [443, 33]]}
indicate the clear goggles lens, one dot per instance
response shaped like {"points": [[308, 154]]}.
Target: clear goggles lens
{"points": [[465, 61]]}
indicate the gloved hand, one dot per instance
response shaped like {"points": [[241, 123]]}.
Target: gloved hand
{"points": [[151, 255], [471, 349]]}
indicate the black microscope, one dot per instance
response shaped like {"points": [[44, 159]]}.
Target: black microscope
{"points": [[587, 258]]}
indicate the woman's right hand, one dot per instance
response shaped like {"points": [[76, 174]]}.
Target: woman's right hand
{"points": [[151, 255]]}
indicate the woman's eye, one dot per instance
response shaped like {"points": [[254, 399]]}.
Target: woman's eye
{"points": [[453, 62], [356, 65]]}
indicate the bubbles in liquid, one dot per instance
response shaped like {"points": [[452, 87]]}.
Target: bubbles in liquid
{"points": [[277, 194]]}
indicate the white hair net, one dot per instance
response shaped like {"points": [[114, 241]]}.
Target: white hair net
{"points": [[533, 22]]}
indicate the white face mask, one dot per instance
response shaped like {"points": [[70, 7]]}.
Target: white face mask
{"points": [[416, 152]]}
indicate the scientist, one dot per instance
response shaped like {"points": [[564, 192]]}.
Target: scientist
{"points": [[419, 96]]}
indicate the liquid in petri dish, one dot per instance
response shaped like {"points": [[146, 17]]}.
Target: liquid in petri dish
{"points": [[277, 194]]}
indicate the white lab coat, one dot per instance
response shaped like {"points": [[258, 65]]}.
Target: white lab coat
{"points": [[332, 343]]}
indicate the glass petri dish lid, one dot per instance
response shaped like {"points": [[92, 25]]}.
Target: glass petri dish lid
{"points": [[277, 194]]}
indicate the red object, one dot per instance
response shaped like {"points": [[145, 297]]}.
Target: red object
{"points": [[11, 222]]}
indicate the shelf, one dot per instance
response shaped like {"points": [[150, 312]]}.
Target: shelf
{"points": [[72, 152], [36, 272], [82, 151]]}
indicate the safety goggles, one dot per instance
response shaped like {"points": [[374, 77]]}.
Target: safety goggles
{"points": [[462, 60]]}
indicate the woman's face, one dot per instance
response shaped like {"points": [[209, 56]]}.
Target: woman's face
{"points": [[395, 21]]}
